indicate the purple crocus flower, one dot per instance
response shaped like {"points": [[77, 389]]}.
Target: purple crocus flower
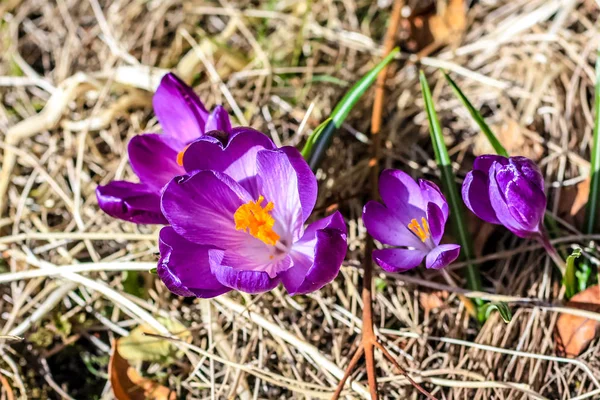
{"points": [[412, 219], [237, 221], [507, 191], [155, 158]]}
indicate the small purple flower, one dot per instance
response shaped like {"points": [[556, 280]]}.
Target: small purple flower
{"points": [[237, 221], [155, 158], [412, 220], [507, 191]]}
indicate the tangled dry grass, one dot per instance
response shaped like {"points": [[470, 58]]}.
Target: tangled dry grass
{"points": [[76, 80]]}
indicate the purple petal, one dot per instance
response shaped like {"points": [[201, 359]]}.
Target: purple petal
{"points": [[237, 159], [218, 120], [387, 228], [307, 182], [179, 110], [402, 195], [278, 183], [432, 194], [133, 202], [529, 170], [526, 202], [484, 163], [437, 222], [500, 206], [184, 267], [442, 256], [245, 281], [398, 260], [200, 207], [476, 195], [317, 256], [154, 159]]}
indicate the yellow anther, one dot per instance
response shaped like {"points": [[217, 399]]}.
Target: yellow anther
{"points": [[180, 156], [422, 232], [255, 219]]}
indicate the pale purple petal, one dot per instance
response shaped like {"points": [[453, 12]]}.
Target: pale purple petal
{"points": [[201, 206], [442, 256], [398, 260], [402, 195], [436, 221], [475, 194], [498, 202], [386, 227], [153, 158], [525, 201], [133, 202], [184, 267], [218, 120], [317, 256], [246, 281], [432, 194], [237, 159], [179, 110], [307, 182], [278, 183]]}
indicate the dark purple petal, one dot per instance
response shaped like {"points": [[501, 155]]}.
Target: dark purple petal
{"points": [[133, 202], [245, 281], [387, 228], [154, 159], [529, 170], [184, 267], [307, 182], [500, 206], [278, 183], [442, 256], [237, 159], [476, 195], [398, 260], [402, 195], [218, 120], [484, 163], [317, 256], [179, 110], [436, 221], [432, 194], [524, 199], [200, 207]]}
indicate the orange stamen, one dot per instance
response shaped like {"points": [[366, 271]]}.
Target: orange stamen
{"points": [[422, 232], [257, 220], [180, 156]]}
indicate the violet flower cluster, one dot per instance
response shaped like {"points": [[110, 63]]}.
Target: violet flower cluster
{"points": [[236, 205]]}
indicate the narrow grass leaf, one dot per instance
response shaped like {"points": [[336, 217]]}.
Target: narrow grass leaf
{"points": [[486, 310], [594, 196], [450, 188], [320, 140], [570, 277], [476, 115]]}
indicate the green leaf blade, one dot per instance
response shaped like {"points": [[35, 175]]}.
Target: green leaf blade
{"points": [[477, 117], [570, 278], [449, 183], [594, 196]]}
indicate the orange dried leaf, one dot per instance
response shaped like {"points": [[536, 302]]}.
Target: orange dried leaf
{"points": [[575, 333], [128, 384]]}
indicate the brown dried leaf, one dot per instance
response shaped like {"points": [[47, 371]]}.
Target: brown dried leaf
{"points": [[510, 134], [575, 333], [437, 27], [430, 301], [573, 200], [128, 384]]}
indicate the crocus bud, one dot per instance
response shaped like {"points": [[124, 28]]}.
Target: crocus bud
{"points": [[507, 191]]}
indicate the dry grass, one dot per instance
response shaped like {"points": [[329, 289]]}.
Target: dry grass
{"points": [[75, 85]]}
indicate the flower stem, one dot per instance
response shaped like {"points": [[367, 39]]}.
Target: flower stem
{"points": [[544, 240]]}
